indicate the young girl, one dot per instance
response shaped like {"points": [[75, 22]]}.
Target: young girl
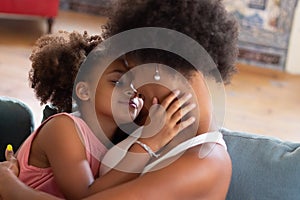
{"points": [[189, 176], [62, 157]]}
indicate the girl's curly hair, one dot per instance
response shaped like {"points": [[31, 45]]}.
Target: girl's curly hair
{"points": [[205, 21], [56, 59]]}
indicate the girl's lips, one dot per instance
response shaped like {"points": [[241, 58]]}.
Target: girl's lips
{"points": [[133, 102], [133, 105], [136, 102]]}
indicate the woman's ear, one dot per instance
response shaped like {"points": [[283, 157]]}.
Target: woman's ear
{"points": [[83, 91]]}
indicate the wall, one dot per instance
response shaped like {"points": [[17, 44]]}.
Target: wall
{"points": [[293, 58]]}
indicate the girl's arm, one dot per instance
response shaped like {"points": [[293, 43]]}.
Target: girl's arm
{"points": [[59, 146], [59, 142], [188, 178]]}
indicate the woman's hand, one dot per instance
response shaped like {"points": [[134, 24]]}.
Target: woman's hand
{"points": [[166, 120], [12, 188], [11, 161], [7, 179], [9, 170]]}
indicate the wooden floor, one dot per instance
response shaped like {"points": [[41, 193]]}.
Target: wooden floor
{"points": [[259, 100]]}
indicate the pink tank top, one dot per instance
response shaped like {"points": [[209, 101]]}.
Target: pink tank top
{"points": [[42, 178]]}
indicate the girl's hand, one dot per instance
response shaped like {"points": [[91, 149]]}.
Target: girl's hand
{"points": [[166, 120]]}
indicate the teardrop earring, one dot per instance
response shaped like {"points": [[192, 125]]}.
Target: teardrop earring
{"points": [[156, 75]]}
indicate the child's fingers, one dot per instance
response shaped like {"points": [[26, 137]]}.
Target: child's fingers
{"points": [[182, 112], [176, 105], [177, 129], [154, 101], [184, 124], [169, 99]]}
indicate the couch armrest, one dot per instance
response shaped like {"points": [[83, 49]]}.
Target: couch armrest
{"points": [[262, 167], [16, 123]]}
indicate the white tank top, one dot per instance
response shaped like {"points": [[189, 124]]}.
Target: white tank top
{"points": [[116, 153], [210, 137]]}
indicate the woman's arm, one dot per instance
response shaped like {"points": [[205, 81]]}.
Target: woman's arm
{"points": [[12, 188]]}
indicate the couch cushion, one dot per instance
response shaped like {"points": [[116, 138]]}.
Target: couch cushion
{"points": [[262, 167], [16, 123]]}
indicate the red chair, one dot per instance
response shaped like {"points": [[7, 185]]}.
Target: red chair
{"points": [[41, 8]]}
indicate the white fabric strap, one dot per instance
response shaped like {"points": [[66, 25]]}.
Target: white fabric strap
{"points": [[211, 137], [117, 152]]}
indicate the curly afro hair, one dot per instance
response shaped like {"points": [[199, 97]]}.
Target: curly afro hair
{"points": [[205, 21], [56, 59]]}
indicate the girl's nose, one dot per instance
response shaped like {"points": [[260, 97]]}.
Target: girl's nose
{"points": [[131, 91]]}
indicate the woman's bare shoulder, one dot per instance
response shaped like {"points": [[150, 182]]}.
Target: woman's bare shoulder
{"points": [[189, 177], [204, 170], [209, 167]]}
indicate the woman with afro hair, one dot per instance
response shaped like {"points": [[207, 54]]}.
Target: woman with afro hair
{"points": [[191, 175]]}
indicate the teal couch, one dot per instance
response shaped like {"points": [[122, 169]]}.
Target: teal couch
{"points": [[16, 123], [263, 168]]}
